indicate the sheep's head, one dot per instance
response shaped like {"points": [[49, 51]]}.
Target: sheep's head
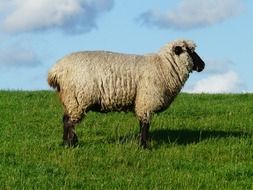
{"points": [[185, 50]]}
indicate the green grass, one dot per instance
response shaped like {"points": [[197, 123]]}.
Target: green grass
{"points": [[201, 142]]}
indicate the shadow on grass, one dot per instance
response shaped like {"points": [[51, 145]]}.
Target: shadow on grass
{"points": [[180, 136], [187, 136]]}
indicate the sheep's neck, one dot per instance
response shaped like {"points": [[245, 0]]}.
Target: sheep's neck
{"points": [[174, 75]]}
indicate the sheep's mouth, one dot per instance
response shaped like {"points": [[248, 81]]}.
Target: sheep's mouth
{"points": [[198, 68], [198, 63]]}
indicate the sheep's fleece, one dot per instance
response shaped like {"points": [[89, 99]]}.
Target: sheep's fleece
{"points": [[107, 81]]}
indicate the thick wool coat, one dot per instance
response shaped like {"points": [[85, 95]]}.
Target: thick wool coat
{"points": [[108, 81]]}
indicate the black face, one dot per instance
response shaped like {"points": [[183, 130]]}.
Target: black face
{"points": [[198, 63]]}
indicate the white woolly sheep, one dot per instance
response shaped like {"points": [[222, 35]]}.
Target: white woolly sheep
{"points": [[107, 81]]}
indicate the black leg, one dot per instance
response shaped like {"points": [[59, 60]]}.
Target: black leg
{"points": [[144, 130], [69, 135]]}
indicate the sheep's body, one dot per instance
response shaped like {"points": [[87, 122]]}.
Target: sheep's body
{"points": [[107, 81]]}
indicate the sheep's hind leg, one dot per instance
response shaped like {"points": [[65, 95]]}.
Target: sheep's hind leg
{"points": [[144, 131], [69, 135]]}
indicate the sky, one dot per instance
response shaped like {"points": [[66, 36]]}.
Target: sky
{"points": [[34, 34]]}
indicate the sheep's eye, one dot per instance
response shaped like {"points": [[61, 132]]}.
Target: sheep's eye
{"points": [[178, 50]]}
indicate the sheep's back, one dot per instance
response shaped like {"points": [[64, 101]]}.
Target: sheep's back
{"points": [[110, 79]]}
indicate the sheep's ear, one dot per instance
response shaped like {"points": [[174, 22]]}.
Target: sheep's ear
{"points": [[178, 50]]}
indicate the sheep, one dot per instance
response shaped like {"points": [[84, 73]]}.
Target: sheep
{"points": [[107, 81]]}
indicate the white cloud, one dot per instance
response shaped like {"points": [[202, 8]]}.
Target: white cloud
{"points": [[72, 16], [193, 14], [17, 56], [228, 82], [217, 77]]}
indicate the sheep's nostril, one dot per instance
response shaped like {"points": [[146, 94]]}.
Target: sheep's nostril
{"points": [[201, 68]]}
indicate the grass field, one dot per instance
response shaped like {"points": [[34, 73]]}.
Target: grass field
{"points": [[201, 142]]}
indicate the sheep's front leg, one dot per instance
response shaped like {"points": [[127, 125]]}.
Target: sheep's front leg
{"points": [[69, 135], [144, 130]]}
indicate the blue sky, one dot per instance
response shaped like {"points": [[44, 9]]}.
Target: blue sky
{"points": [[35, 34]]}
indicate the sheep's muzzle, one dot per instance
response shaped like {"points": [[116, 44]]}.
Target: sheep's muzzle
{"points": [[198, 63]]}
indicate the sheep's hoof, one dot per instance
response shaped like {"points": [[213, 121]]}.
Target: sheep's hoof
{"points": [[71, 142], [144, 145]]}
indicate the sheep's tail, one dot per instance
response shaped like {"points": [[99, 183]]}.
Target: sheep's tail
{"points": [[52, 79]]}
